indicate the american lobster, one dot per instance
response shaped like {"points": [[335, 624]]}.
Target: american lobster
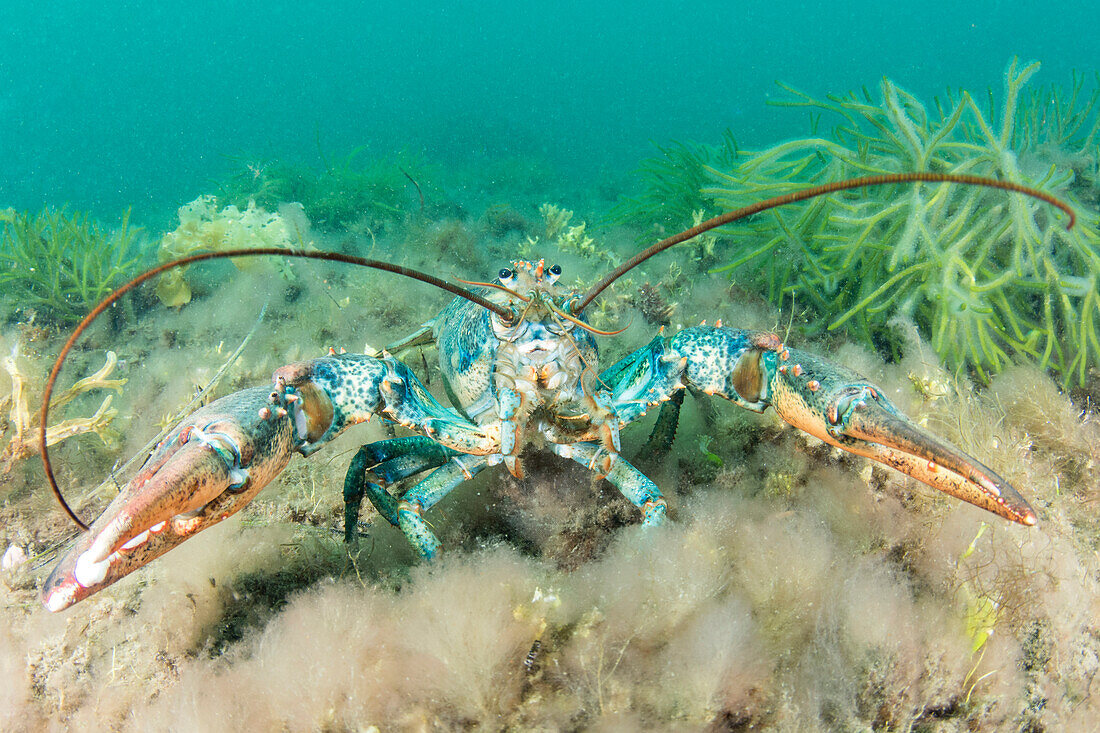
{"points": [[518, 360]]}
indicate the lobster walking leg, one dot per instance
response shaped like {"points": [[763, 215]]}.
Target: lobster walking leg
{"points": [[378, 465], [634, 485], [426, 494]]}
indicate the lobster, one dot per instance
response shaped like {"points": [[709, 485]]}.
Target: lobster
{"points": [[519, 364]]}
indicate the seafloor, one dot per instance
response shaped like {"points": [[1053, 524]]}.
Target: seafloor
{"points": [[796, 589]]}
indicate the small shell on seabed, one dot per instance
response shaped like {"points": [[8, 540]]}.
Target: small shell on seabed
{"points": [[14, 556]]}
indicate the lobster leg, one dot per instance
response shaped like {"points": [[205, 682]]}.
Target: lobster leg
{"points": [[844, 410], [634, 485], [378, 465], [426, 494], [219, 458], [208, 468], [656, 449], [757, 371]]}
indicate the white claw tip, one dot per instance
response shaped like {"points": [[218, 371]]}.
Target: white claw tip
{"points": [[136, 541], [60, 599], [89, 571]]}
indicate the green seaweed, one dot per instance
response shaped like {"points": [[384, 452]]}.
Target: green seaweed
{"points": [[345, 193], [990, 279], [704, 448], [62, 264], [673, 184]]}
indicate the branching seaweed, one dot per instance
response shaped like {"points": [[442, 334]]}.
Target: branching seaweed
{"points": [[24, 433], [63, 264], [673, 186], [990, 279], [346, 193]]}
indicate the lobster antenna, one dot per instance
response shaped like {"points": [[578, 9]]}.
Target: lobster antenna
{"points": [[246, 252], [813, 192]]}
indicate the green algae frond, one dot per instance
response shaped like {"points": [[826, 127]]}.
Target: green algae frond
{"points": [[673, 183], [206, 228], [346, 193], [989, 279], [62, 264]]}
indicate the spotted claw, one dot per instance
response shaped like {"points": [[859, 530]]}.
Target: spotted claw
{"points": [[842, 409], [208, 468]]}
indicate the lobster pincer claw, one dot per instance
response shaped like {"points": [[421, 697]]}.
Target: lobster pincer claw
{"points": [[209, 467], [839, 407]]}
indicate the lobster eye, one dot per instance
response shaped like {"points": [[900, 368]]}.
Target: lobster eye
{"points": [[553, 274], [505, 274]]}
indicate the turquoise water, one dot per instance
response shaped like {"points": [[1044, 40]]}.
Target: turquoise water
{"points": [[104, 106]]}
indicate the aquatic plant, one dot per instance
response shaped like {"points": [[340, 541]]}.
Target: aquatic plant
{"points": [[20, 423], [62, 264], [989, 279], [206, 228], [344, 193], [653, 305], [673, 187], [565, 238]]}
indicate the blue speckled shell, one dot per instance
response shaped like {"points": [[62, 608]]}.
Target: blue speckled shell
{"points": [[467, 349]]}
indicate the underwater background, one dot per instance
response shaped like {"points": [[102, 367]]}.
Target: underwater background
{"points": [[135, 104], [795, 589]]}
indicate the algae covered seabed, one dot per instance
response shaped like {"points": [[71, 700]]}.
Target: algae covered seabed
{"points": [[796, 588]]}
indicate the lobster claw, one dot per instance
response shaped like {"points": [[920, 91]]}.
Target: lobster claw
{"points": [[208, 468], [842, 409]]}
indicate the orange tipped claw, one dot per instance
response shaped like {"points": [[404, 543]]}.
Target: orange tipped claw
{"points": [[207, 469], [843, 410]]}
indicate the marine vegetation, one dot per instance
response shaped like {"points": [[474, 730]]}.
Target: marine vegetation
{"points": [[206, 228], [23, 428], [674, 183], [987, 279], [344, 193], [60, 264]]}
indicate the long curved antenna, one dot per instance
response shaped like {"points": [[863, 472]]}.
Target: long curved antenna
{"points": [[248, 252], [813, 192]]}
